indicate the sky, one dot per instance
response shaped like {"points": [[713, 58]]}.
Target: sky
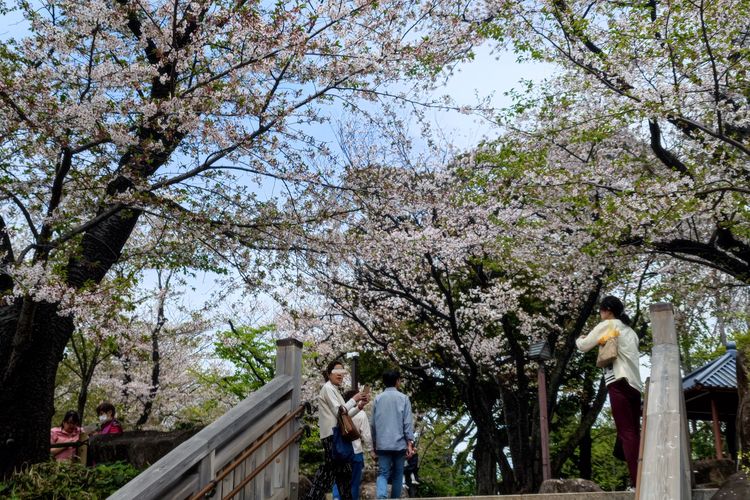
{"points": [[489, 75]]}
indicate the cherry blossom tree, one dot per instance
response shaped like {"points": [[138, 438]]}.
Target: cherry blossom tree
{"points": [[451, 273], [648, 113], [646, 118], [92, 343], [168, 119]]}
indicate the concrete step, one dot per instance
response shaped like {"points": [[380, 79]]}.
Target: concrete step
{"points": [[703, 494]]}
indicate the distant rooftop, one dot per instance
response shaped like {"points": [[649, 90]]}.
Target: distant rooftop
{"points": [[713, 387], [720, 373]]}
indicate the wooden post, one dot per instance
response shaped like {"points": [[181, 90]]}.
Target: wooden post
{"points": [[666, 471], [543, 423], [289, 362], [644, 425], [717, 429]]}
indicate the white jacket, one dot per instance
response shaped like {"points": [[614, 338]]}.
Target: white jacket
{"points": [[329, 400], [626, 365]]}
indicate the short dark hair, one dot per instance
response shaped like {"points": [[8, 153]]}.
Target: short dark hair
{"points": [[72, 417], [350, 394], [332, 365], [390, 377], [106, 407]]}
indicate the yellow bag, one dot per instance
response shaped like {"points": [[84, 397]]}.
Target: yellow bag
{"points": [[608, 348]]}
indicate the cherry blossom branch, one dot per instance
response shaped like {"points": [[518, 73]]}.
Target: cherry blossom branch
{"points": [[704, 254], [665, 156], [24, 211], [81, 228], [56, 193], [714, 71], [6, 247], [23, 116]]}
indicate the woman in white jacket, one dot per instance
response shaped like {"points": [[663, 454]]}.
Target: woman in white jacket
{"points": [[623, 377], [329, 401]]}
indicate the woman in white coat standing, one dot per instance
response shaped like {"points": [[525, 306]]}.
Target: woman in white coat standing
{"points": [[622, 377], [329, 401]]}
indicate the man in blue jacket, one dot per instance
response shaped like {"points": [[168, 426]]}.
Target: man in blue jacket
{"points": [[392, 435]]}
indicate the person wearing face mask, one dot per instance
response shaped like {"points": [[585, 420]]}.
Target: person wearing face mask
{"points": [[329, 401], [108, 424]]}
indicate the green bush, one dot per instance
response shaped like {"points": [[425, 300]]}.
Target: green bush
{"points": [[66, 480]]}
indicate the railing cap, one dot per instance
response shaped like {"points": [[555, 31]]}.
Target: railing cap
{"points": [[660, 306], [288, 342]]}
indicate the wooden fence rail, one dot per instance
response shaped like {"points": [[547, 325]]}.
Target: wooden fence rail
{"points": [[251, 452], [665, 471]]}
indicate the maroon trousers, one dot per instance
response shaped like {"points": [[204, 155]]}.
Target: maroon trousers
{"points": [[626, 410]]}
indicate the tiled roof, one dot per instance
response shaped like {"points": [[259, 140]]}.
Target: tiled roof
{"points": [[720, 373]]}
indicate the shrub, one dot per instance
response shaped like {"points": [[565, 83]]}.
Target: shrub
{"points": [[66, 480]]}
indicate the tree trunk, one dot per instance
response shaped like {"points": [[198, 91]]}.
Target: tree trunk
{"points": [[485, 462], [524, 451], [480, 399], [584, 456], [32, 341], [585, 468], [87, 374], [743, 410], [30, 352]]}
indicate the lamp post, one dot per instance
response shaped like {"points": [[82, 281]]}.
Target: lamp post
{"points": [[541, 352], [353, 358]]}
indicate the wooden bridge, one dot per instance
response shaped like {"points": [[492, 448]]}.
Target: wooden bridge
{"points": [[252, 452]]}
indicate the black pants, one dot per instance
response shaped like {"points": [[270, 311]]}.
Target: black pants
{"points": [[331, 469]]}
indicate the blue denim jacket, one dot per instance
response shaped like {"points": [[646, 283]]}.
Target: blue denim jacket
{"points": [[392, 425]]}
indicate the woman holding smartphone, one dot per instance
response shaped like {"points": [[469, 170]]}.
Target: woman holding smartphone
{"points": [[329, 401]]}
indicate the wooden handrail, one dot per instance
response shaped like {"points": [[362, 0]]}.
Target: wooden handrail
{"points": [[264, 464], [249, 451], [225, 444]]}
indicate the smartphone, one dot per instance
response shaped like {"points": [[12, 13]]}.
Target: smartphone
{"points": [[366, 389]]}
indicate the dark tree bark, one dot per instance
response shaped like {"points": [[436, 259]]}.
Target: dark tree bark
{"points": [[743, 409], [481, 399], [584, 456], [30, 351], [33, 336], [524, 449]]}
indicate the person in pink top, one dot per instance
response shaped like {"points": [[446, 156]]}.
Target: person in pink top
{"points": [[108, 424], [68, 432]]}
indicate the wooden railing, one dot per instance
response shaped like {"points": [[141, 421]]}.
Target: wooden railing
{"points": [[665, 470], [250, 452]]}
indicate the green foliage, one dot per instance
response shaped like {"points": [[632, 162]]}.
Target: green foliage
{"points": [[702, 439], [610, 473], [251, 352], [607, 471], [445, 471], [311, 454], [66, 480]]}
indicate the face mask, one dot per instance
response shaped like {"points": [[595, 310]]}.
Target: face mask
{"points": [[102, 418]]}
